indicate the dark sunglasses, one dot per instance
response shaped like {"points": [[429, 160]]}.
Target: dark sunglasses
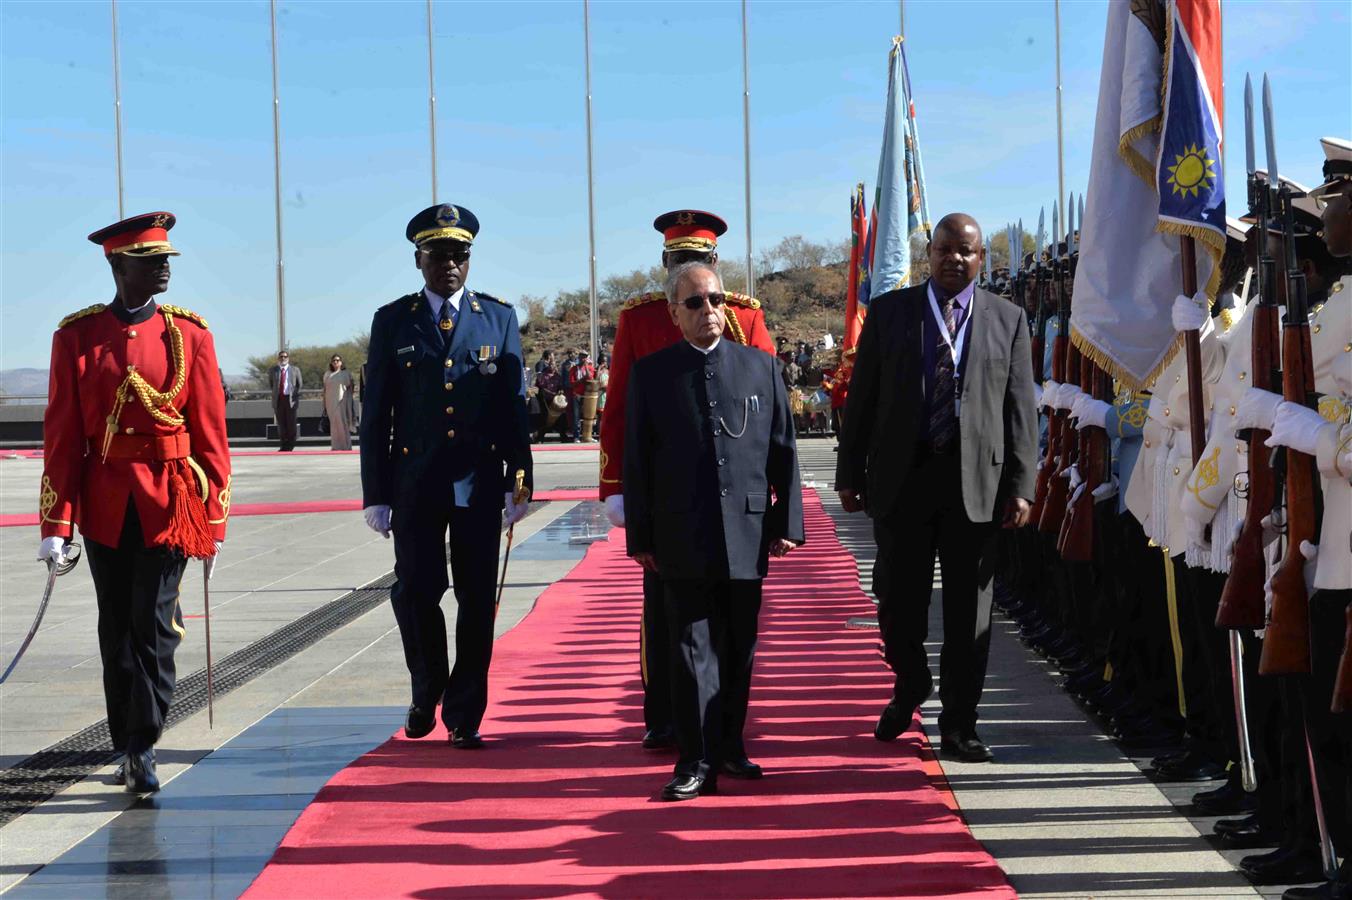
{"points": [[440, 256], [696, 301]]}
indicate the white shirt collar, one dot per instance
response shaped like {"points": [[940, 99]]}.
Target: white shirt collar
{"points": [[435, 300], [136, 309], [710, 349]]}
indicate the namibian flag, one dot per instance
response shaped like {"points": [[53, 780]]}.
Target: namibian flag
{"points": [[1188, 173]]}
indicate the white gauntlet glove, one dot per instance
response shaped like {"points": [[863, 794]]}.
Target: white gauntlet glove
{"points": [[378, 519], [1191, 313], [615, 510], [1256, 409], [513, 512], [54, 549], [1297, 427]]}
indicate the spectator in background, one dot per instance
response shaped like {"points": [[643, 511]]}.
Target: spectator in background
{"points": [[546, 359], [284, 381], [578, 377], [603, 380], [792, 373], [549, 388], [339, 404], [225, 387]]}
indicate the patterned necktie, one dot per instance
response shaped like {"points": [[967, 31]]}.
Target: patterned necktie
{"points": [[447, 321], [943, 421]]}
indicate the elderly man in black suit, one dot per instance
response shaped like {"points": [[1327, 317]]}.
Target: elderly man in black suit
{"points": [[939, 444], [284, 381], [710, 492]]}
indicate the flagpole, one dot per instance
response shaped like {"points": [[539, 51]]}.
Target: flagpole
{"points": [[595, 333], [277, 183], [431, 101], [901, 16], [117, 114], [1060, 143], [746, 149]]}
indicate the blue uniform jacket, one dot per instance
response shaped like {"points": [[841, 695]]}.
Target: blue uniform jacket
{"points": [[432, 411]]}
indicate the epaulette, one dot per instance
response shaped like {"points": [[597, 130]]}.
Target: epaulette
{"points": [[641, 299], [743, 300], [87, 311], [183, 314], [490, 297]]}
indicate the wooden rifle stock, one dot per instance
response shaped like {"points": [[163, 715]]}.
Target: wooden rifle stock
{"points": [[1048, 466], [1242, 601], [1058, 486], [1077, 532], [1342, 685]]}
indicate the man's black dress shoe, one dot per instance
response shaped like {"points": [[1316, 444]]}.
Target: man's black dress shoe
{"points": [[120, 773], [1225, 826], [1190, 768], [1329, 890], [688, 787], [1250, 837], [419, 722], [1227, 800], [1285, 865], [659, 738], [965, 746], [140, 773], [897, 715], [465, 739], [742, 768]]}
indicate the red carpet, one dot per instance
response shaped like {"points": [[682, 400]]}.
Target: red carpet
{"points": [[561, 802]]}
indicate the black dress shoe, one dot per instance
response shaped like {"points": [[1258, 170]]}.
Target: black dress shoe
{"points": [[1190, 768], [465, 739], [965, 746], [897, 717], [1225, 826], [1329, 890], [1284, 865], [1167, 759], [688, 787], [140, 773], [1149, 736], [1227, 800], [120, 773], [742, 768], [1250, 837], [419, 722], [659, 738]]}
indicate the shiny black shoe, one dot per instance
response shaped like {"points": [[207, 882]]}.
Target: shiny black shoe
{"points": [[466, 739], [120, 773], [897, 717], [1227, 800], [1329, 890], [742, 768], [1226, 826], [1250, 836], [1190, 768], [1285, 865], [1147, 736], [419, 722], [659, 738], [688, 787], [140, 773], [965, 746]]}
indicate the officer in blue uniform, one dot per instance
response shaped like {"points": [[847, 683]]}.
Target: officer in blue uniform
{"points": [[443, 434]]}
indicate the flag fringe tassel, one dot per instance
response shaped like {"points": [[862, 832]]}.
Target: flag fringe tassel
{"points": [[1107, 363]]}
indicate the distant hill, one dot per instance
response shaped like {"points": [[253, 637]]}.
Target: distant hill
{"points": [[23, 382]]}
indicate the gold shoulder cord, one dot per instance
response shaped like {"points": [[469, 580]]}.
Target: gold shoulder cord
{"points": [[160, 404], [735, 328]]}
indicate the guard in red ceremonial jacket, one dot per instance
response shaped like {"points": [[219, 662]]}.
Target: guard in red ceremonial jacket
{"points": [[645, 326], [135, 454]]}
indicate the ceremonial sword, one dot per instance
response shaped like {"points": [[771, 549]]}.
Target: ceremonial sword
{"points": [[518, 497], [206, 618], [69, 559]]}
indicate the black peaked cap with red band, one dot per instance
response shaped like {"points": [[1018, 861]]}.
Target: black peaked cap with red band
{"points": [[690, 229], [143, 235]]}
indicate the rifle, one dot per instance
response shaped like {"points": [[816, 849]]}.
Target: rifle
{"points": [[1342, 685], [1058, 487], [1242, 602], [1039, 327], [1048, 467], [1076, 542], [1286, 645]]}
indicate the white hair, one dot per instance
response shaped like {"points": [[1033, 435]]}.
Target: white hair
{"points": [[678, 273]]}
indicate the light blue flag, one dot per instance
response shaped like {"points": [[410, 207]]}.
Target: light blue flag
{"points": [[900, 209]]}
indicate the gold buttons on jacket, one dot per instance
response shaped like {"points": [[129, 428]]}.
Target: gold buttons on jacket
{"points": [[1242, 375], [1166, 412], [1317, 329], [451, 433], [450, 386], [1176, 470], [130, 430], [450, 410], [409, 364], [1147, 443], [132, 333], [406, 451], [1232, 410], [449, 363]]}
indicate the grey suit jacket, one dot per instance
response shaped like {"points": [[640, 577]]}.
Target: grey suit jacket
{"points": [[274, 383], [883, 415]]}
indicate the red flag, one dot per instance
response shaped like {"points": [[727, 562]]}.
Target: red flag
{"points": [[854, 312]]}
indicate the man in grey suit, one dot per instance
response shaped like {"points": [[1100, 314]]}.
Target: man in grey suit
{"points": [[284, 381], [710, 492], [939, 444]]}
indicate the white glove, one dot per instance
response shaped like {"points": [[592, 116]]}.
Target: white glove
{"points": [[1076, 407], [513, 512], [1073, 473], [1191, 313], [615, 510], [1273, 523], [1311, 554], [1105, 491], [53, 548], [1075, 495], [209, 565], [378, 518], [1065, 396], [1094, 413], [1256, 409], [1049, 389], [1037, 396], [1296, 426]]}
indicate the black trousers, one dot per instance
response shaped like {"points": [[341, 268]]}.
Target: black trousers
{"points": [[1330, 733], [1210, 722], [286, 414], [712, 639], [654, 654], [420, 541], [935, 521], [140, 626]]}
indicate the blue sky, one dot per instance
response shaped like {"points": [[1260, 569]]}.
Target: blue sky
{"points": [[667, 89]]}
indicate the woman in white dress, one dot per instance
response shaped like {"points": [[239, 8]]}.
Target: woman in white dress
{"points": [[340, 404]]}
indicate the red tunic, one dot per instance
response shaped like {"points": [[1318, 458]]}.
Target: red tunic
{"points": [[92, 353], [645, 327]]}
